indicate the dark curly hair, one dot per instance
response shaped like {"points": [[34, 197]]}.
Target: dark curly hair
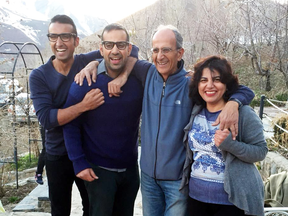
{"points": [[213, 63]]}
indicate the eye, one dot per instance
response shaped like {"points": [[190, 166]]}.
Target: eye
{"points": [[217, 79], [109, 45], [202, 80], [121, 45], [53, 36], [155, 50], [166, 50], [65, 36]]}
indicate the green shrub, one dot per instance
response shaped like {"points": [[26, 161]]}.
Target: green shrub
{"points": [[282, 96], [13, 199], [25, 163]]}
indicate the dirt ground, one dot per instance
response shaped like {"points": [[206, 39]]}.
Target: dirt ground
{"points": [[12, 195]]}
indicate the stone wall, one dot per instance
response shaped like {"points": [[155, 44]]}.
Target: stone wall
{"points": [[273, 163]]}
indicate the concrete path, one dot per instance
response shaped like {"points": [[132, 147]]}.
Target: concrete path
{"points": [[29, 204], [76, 209]]}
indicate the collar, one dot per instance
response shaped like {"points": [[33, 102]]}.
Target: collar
{"points": [[102, 68], [179, 73]]}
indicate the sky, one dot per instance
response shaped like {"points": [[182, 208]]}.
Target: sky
{"points": [[110, 10]]}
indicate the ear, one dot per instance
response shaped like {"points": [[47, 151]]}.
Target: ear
{"points": [[101, 48], [76, 42], [129, 48], [180, 54]]}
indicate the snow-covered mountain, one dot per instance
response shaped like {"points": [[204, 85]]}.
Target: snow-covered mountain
{"points": [[27, 21]]}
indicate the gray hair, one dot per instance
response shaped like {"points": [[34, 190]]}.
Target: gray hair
{"points": [[178, 36]]}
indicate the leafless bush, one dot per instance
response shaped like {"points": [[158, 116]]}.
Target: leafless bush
{"points": [[15, 139]]}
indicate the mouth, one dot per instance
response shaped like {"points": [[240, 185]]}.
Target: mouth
{"points": [[115, 60], [162, 63], [60, 50], [210, 93]]}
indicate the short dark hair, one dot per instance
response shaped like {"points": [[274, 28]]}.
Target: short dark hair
{"points": [[213, 63], [64, 19], [115, 26]]}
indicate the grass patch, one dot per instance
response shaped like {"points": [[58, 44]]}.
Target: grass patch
{"points": [[13, 199], [25, 163]]}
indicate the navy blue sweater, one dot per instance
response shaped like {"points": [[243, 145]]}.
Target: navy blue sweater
{"points": [[49, 90], [106, 136]]}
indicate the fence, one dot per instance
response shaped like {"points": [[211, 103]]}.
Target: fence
{"points": [[273, 211]]}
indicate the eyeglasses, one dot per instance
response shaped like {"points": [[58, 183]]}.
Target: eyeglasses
{"points": [[164, 50], [121, 45], [65, 37]]}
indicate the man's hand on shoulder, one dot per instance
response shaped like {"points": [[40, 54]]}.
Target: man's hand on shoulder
{"points": [[87, 175], [90, 72], [114, 87]]}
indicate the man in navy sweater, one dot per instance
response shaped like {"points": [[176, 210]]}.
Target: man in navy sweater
{"points": [[49, 85], [102, 143]]}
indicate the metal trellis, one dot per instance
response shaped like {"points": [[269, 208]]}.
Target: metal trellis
{"points": [[7, 48]]}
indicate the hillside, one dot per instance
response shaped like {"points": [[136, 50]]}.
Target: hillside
{"points": [[251, 34]]}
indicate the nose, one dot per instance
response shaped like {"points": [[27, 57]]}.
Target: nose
{"points": [[159, 54], [59, 41], [115, 49], [210, 83]]}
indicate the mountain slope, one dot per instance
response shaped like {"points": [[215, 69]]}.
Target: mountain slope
{"points": [[26, 21]]}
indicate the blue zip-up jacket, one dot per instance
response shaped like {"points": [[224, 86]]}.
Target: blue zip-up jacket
{"points": [[166, 110]]}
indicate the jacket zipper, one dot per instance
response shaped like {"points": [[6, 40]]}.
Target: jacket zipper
{"points": [[160, 105]]}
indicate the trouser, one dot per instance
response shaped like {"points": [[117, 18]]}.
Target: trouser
{"points": [[197, 208], [162, 198], [114, 193], [61, 177], [42, 156]]}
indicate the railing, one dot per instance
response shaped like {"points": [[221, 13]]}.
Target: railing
{"points": [[273, 211]]}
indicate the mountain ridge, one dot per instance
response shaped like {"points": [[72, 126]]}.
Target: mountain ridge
{"points": [[31, 24]]}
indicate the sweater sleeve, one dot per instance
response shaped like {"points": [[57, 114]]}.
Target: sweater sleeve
{"points": [[243, 94], [252, 147], [134, 51], [140, 70], [72, 130], [40, 82], [42, 100]]}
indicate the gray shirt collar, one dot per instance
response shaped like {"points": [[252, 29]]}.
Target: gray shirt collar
{"points": [[102, 68]]}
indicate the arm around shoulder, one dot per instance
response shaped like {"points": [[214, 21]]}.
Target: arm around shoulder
{"points": [[243, 94]]}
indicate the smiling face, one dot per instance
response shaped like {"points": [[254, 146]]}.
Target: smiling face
{"points": [[63, 51], [211, 89], [166, 64], [115, 59]]}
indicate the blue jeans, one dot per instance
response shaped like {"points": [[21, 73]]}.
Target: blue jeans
{"points": [[161, 198]]}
